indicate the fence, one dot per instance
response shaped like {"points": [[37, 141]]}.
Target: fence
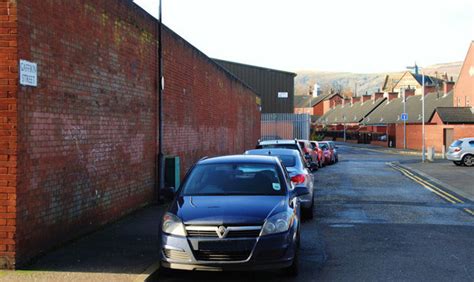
{"points": [[285, 126]]}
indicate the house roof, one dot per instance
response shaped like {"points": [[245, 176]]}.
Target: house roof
{"points": [[391, 81], [302, 100], [455, 114], [350, 113], [390, 111]]}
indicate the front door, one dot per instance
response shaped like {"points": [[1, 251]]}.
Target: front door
{"points": [[447, 137]]}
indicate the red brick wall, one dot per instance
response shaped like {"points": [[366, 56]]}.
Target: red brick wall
{"points": [[8, 132], [464, 88], [433, 135], [207, 111], [87, 134], [318, 109]]}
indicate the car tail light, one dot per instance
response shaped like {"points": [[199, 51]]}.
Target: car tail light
{"points": [[298, 179], [457, 149]]}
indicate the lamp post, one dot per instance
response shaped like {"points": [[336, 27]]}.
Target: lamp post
{"points": [[423, 116], [160, 168], [423, 149], [404, 120]]}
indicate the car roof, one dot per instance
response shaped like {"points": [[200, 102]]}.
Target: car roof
{"points": [[466, 139], [283, 141], [274, 151], [257, 159]]}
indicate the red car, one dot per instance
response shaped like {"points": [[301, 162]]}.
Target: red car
{"points": [[319, 152], [310, 154], [328, 152]]}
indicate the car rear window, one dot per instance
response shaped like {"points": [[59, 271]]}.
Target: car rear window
{"points": [[234, 179], [288, 160], [281, 146], [456, 143]]}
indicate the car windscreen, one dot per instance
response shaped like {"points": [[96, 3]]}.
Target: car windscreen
{"points": [[456, 143], [323, 146], [234, 179]]}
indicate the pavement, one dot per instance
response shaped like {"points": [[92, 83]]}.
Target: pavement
{"points": [[441, 172], [126, 250]]}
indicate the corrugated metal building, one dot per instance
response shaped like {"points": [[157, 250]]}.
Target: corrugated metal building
{"points": [[275, 87]]}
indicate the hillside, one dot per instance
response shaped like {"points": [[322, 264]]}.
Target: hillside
{"points": [[366, 83]]}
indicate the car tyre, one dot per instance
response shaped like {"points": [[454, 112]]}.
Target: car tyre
{"points": [[468, 160], [458, 163]]}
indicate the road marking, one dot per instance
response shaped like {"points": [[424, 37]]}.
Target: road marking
{"points": [[438, 191], [434, 187]]}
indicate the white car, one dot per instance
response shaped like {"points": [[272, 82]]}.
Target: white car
{"points": [[461, 152]]}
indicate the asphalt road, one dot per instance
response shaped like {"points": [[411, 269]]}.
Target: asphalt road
{"points": [[372, 224]]}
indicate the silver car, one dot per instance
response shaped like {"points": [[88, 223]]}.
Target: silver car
{"points": [[298, 171], [461, 152]]}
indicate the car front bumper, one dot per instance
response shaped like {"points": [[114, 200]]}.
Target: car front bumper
{"points": [[266, 252]]}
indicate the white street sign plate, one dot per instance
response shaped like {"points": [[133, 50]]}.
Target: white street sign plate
{"points": [[282, 94], [28, 73]]}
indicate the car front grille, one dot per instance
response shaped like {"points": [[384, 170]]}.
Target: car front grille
{"points": [[175, 254], [222, 255], [231, 231]]}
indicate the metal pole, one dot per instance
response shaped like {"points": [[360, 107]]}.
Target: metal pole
{"points": [[404, 121], [423, 116], [344, 120], [160, 165]]}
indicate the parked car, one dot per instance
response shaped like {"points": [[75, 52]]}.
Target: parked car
{"points": [[233, 213], [334, 148], [319, 152], [461, 152], [288, 144], [299, 173], [308, 151], [328, 154]]}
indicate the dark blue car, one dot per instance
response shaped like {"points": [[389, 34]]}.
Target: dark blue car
{"points": [[233, 213]]}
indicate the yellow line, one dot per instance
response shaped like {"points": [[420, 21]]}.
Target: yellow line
{"points": [[469, 211], [434, 187], [427, 187], [425, 184]]}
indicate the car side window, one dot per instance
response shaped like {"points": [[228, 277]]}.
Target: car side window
{"points": [[471, 144], [287, 176]]}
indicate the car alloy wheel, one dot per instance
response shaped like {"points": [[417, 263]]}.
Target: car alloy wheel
{"points": [[468, 160]]}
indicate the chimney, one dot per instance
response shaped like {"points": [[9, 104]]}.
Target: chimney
{"points": [[429, 89], [346, 101], [355, 100], [409, 92], [447, 86], [377, 95], [392, 95], [365, 98]]}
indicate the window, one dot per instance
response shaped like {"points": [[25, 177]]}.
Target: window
{"points": [[471, 144], [456, 143]]}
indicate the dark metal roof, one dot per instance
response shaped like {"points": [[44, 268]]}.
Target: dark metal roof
{"points": [[302, 101], [457, 115], [267, 83], [390, 111], [350, 113]]}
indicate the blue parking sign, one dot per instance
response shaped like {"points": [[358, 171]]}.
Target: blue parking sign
{"points": [[404, 116]]}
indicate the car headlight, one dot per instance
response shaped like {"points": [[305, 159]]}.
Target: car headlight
{"points": [[172, 225], [278, 223]]}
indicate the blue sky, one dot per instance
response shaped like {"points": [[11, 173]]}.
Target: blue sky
{"points": [[337, 35]]}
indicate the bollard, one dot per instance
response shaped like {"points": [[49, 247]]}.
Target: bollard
{"points": [[431, 154]]}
